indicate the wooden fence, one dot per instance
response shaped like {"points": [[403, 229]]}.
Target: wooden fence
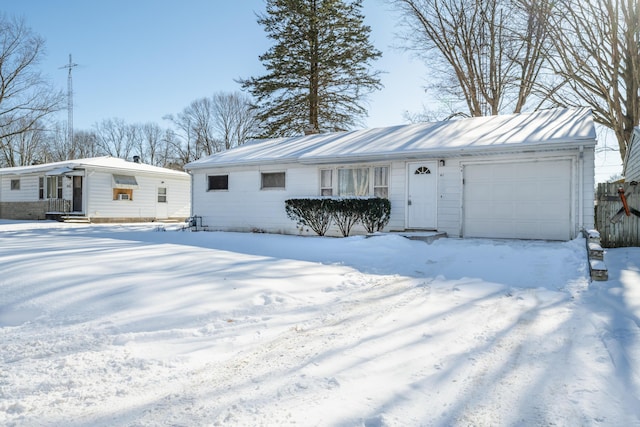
{"points": [[615, 227]]}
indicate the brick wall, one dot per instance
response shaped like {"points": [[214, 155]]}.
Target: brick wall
{"points": [[23, 210]]}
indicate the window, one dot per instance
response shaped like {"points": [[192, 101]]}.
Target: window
{"points": [[326, 182], [217, 182], [162, 195], [353, 182], [54, 187], [15, 184], [422, 170], [41, 188], [122, 194], [125, 180], [356, 182], [381, 182], [272, 180]]}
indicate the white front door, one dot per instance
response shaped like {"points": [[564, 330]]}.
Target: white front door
{"points": [[161, 203], [422, 195]]}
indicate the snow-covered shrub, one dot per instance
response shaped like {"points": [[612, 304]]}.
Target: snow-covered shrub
{"points": [[313, 213], [318, 213]]}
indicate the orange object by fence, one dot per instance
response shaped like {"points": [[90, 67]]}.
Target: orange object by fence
{"points": [[624, 201]]}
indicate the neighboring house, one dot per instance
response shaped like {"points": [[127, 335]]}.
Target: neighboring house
{"points": [[100, 189], [513, 176], [631, 169]]}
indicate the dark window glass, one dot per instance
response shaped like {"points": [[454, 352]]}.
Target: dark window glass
{"points": [[218, 182]]}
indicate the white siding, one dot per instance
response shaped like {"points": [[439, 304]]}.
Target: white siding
{"points": [[100, 204], [28, 188], [398, 195], [632, 164], [449, 198], [245, 207]]}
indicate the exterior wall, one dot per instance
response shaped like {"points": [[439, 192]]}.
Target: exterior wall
{"points": [[28, 191], [98, 197], [100, 206], [23, 210], [23, 203], [245, 207], [632, 162]]}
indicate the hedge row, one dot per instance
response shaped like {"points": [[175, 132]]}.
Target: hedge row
{"points": [[319, 213]]}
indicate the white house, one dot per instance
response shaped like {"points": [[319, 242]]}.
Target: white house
{"points": [[100, 189], [513, 176], [631, 170]]}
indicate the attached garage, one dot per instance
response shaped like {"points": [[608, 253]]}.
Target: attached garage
{"points": [[523, 200]]}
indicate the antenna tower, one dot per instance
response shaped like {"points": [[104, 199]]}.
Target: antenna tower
{"points": [[70, 66]]}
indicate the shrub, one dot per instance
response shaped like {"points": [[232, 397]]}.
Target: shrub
{"points": [[313, 213], [319, 213], [376, 214], [346, 213]]}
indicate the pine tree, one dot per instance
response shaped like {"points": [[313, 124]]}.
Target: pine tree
{"points": [[318, 70]]}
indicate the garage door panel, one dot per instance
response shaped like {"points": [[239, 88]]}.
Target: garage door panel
{"points": [[530, 200]]}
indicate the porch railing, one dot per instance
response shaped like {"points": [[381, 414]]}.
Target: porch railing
{"points": [[59, 205]]}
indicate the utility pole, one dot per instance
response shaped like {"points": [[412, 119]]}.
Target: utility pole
{"points": [[70, 66]]}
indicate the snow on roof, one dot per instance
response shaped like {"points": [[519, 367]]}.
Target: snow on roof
{"points": [[557, 126], [106, 162]]}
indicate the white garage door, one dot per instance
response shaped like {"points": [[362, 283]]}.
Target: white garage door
{"points": [[529, 200]]}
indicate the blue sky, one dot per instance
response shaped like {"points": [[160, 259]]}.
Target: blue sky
{"points": [[141, 60]]}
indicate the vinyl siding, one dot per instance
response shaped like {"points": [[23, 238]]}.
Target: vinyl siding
{"points": [[28, 188], [100, 203], [632, 165]]}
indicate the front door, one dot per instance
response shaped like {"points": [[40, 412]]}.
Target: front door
{"points": [[77, 194], [422, 195], [161, 204]]}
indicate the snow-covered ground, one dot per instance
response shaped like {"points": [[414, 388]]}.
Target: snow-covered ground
{"points": [[126, 325]]}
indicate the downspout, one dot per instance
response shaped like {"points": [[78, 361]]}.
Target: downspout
{"points": [[581, 189], [191, 214]]}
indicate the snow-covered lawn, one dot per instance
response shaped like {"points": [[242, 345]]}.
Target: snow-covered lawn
{"points": [[126, 325]]}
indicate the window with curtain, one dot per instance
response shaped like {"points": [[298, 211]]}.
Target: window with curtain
{"points": [[353, 182], [381, 182], [326, 182]]}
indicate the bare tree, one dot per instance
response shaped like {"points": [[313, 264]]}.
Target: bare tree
{"points": [[153, 140], [488, 52], [598, 54], [115, 138], [25, 95], [234, 120], [196, 127], [86, 144], [23, 148]]}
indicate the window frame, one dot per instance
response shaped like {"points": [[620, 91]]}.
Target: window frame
{"points": [[162, 195], [326, 190], [53, 187], [381, 189], [15, 184], [378, 185], [263, 175], [225, 175]]}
